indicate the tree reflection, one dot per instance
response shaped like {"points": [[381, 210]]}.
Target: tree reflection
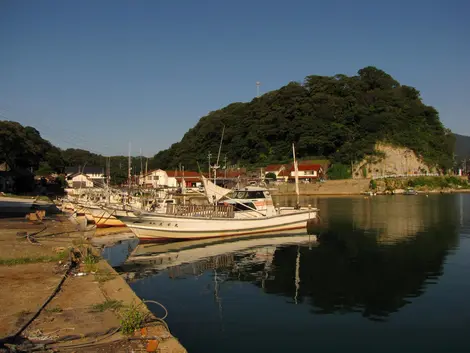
{"points": [[350, 271]]}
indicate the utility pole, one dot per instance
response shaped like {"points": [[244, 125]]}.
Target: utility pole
{"points": [[129, 167], [225, 167], [209, 156], [108, 170]]}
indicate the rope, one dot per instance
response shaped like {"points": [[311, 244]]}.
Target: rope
{"points": [[161, 305], [158, 319], [72, 264]]}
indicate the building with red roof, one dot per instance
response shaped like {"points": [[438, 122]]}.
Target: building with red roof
{"points": [[307, 171]]}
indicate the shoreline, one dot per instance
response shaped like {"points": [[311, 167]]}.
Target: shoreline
{"points": [[338, 194], [55, 296]]}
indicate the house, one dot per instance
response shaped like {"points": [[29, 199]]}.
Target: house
{"points": [[17, 181], [80, 180], [84, 176], [7, 181], [191, 179], [156, 179], [307, 172], [171, 178], [274, 168]]}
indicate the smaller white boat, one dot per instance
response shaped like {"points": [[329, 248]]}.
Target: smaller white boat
{"points": [[410, 191]]}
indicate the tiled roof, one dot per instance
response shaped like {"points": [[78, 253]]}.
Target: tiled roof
{"points": [[273, 167], [303, 167], [186, 173], [86, 170]]}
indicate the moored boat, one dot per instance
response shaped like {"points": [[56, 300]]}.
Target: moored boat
{"points": [[249, 211], [410, 191]]}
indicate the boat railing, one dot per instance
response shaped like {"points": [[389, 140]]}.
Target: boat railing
{"points": [[208, 211]]}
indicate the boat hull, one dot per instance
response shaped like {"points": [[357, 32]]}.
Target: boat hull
{"points": [[183, 228], [103, 219]]}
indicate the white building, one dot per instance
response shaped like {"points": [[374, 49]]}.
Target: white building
{"points": [[159, 178], [85, 177], [79, 181]]}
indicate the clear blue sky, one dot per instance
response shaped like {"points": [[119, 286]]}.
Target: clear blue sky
{"points": [[96, 74]]}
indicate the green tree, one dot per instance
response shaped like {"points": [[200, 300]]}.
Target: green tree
{"points": [[337, 117], [271, 175], [339, 171]]}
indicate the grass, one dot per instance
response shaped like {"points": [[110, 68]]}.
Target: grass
{"points": [[91, 262], [107, 305], [103, 276], [27, 197], [18, 196], [33, 260], [55, 309], [132, 318]]}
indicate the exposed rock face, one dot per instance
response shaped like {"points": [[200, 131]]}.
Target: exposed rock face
{"points": [[390, 161]]}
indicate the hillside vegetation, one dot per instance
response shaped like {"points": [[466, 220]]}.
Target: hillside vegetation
{"points": [[337, 117], [462, 147], [22, 147]]}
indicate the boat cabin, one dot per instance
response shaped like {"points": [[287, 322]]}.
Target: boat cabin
{"points": [[251, 199]]}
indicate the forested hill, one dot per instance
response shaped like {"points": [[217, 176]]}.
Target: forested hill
{"points": [[338, 117], [462, 147]]}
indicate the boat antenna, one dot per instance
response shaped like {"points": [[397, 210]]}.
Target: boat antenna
{"points": [[296, 174], [218, 155]]}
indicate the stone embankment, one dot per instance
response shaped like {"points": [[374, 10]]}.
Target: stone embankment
{"points": [[357, 186], [329, 187], [58, 293]]}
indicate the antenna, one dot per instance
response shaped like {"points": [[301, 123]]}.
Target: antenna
{"points": [[225, 168], [209, 156], [257, 88], [220, 146], [218, 155], [129, 167]]}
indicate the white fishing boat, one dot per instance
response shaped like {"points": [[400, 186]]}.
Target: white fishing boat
{"points": [[250, 210]]}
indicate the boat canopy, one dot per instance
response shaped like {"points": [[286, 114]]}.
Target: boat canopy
{"points": [[213, 192]]}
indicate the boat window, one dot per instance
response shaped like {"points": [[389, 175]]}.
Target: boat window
{"points": [[248, 195], [255, 195], [240, 195]]}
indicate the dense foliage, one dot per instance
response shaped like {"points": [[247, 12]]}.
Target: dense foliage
{"points": [[22, 147], [337, 117], [462, 147]]}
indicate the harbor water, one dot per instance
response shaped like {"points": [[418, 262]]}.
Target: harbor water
{"points": [[387, 273]]}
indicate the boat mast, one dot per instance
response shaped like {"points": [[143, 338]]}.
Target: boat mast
{"points": [[183, 185], [296, 174], [297, 274], [216, 165], [108, 179], [209, 157], [129, 171]]}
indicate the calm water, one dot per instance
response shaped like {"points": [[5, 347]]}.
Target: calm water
{"points": [[389, 274]]}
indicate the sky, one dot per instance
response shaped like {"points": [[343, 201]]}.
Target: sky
{"points": [[100, 74]]}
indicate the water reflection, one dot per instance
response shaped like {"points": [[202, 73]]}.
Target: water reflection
{"points": [[374, 257]]}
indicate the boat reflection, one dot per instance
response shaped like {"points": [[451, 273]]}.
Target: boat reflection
{"points": [[345, 271], [371, 259], [194, 257]]}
